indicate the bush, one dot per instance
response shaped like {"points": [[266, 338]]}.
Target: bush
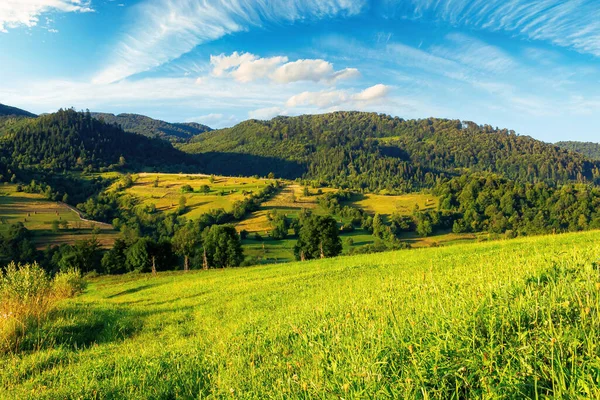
{"points": [[27, 295], [25, 300], [68, 283]]}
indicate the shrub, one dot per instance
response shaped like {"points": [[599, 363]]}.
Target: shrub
{"points": [[68, 283], [25, 300]]}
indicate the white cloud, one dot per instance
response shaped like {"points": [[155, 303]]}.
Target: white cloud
{"points": [[165, 29], [15, 13], [303, 70], [247, 67], [266, 113], [333, 98], [372, 93], [257, 69]]}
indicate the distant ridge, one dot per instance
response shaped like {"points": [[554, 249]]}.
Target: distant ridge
{"points": [[154, 128], [8, 111]]}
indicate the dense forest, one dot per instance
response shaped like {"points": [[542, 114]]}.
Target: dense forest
{"points": [[68, 140], [589, 149], [371, 152], [153, 128]]}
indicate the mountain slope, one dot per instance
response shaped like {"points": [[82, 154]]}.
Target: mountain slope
{"points": [[8, 111], [373, 152], [154, 128], [588, 149], [70, 140]]}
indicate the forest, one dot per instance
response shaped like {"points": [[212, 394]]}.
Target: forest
{"points": [[373, 152]]}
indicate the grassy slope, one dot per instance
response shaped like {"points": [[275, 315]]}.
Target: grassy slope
{"points": [[508, 319], [166, 196], [37, 214]]}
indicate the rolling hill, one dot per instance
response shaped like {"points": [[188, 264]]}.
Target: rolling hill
{"points": [[154, 128], [371, 152], [68, 140]]}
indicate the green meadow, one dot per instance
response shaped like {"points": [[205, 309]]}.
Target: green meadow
{"points": [[493, 320]]}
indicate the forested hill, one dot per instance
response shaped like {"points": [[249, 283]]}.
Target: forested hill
{"points": [[374, 152], [154, 128], [588, 149], [69, 140], [8, 111]]}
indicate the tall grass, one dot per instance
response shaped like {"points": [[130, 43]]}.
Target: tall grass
{"points": [[500, 320], [27, 295]]}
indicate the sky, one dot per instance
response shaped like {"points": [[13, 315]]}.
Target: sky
{"points": [[528, 65]]}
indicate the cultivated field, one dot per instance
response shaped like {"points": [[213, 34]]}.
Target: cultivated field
{"points": [[402, 204], [166, 192], [505, 319], [38, 215]]}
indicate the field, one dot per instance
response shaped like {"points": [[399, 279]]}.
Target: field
{"points": [[504, 319], [402, 204], [224, 191], [37, 214]]}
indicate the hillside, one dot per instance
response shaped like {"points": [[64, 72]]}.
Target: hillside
{"points": [[69, 140], [374, 152], [153, 128], [8, 111], [588, 149], [510, 319]]}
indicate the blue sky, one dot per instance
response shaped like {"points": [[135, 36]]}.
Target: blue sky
{"points": [[531, 66]]}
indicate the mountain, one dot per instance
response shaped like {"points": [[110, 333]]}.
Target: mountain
{"points": [[69, 140], [370, 151], [8, 111], [154, 128], [588, 149]]}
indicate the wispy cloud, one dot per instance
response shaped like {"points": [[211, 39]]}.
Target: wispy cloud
{"points": [[573, 24], [166, 29], [15, 13]]}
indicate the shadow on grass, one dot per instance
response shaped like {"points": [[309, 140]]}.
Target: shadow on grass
{"points": [[133, 290], [81, 326]]}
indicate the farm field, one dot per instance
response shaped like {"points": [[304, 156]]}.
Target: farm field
{"points": [[289, 201], [37, 214], [387, 204], [224, 191], [504, 319]]}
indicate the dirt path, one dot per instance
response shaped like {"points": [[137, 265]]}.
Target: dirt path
{"points": [[80, 215]]}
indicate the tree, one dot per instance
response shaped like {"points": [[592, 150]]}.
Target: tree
{"points": [[182, 204], [319, 238], [205, 189], [138, 257], [222, 246], [185, 242]]}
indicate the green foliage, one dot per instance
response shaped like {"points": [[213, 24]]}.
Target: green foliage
{"points": [[371, 152], [318, 238], [491, 203], [589, 149], [68, 283], [222, 246]]}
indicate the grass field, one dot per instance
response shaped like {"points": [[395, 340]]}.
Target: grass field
{"points": [[505, 319], [224, 191], [402, 204], [37, 214]]}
